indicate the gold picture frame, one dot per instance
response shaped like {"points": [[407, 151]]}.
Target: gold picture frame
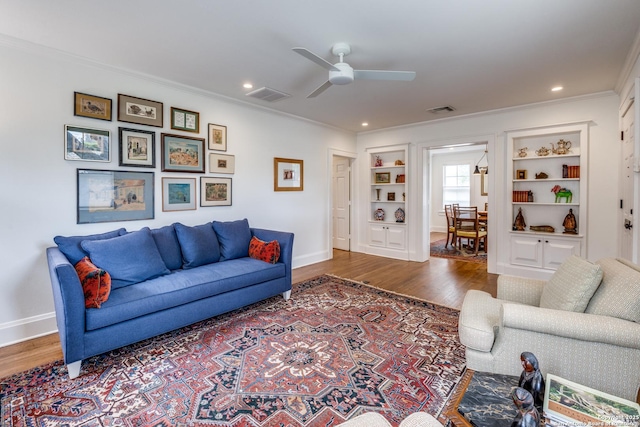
{"points": [[94, 107], [288, 174]]}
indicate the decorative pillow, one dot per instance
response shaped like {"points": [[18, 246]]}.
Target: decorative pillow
{"points": [[619, 294], [199, 244], [572, 285], [267, 252], [70, 246], [96, 283], [168, 246], [234, 238], [129, 259]]}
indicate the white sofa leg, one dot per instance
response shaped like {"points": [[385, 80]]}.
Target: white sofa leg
{"points": [[286, 295], [74, 369]]}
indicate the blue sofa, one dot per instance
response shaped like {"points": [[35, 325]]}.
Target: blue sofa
{"points": [[161, 280]]}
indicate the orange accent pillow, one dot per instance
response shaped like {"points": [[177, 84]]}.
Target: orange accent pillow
{"points": [[267, 252], [96, 283]]}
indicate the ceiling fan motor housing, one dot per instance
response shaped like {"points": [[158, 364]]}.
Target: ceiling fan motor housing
{"points": [[343, 76]]}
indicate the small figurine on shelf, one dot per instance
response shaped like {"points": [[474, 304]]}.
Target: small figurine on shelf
{"points": [[562, 193], [379, 162], [530, 196], [519, 224], [531, 379], [570, 225], [399, 163], [528, 415]]}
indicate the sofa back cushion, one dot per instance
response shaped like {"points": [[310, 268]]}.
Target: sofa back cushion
{"points": [[199, 244], [168, 246], [234, 238], [131, 258], [70, 245], [619, 294], [572, 285]]}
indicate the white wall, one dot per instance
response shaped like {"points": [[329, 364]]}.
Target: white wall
{"points": [[39, 196], [600, 109]]}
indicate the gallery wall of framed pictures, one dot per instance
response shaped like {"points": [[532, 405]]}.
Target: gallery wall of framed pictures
{"points": [[105, 195]]}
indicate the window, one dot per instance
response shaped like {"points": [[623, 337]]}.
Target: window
{"points": [[456, 186]]}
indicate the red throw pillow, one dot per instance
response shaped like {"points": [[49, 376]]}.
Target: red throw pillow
{"points": [[267, 252], [96, 283]]}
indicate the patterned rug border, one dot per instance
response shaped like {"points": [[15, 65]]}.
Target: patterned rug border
{"points": [[100, 365]]}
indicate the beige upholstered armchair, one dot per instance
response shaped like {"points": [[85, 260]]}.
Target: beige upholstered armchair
{"points": [[582, 325]]}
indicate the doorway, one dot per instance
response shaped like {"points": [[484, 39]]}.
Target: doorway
{"points": [[341, 202]]}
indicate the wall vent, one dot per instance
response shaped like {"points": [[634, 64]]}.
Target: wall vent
{"points": [[444, 109], [267, 94]]}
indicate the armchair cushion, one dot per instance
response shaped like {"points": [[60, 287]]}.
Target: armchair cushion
{"points": [[572, 285], [619, 294]]}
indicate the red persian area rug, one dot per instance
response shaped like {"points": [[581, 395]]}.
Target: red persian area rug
{"points": [[439, 251], [336, 349]]}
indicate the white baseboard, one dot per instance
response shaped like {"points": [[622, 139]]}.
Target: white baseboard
{"points": [[28, 328], [311, 259]]}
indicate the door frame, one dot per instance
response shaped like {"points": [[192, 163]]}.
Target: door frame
{"points": [[352, 165]]}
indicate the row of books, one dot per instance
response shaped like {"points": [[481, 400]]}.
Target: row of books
{"points": [[570, 171], [522, 196]]}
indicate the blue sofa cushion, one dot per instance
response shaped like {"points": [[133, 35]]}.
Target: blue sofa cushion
{"points": [[181, 287], [129, 259], [70, 246], [168, 246], [199, 245], [234, 238]]}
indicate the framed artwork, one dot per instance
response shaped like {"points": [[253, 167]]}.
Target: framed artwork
{"points": [[391, 197], [217, 137], [521, 174], [114, 195], [185, 120], [215, 191], [182, 154], [222, 163], [484, 185], [383, 177], [288, 174], [137, 148], [140, 111], [178, 194], [91, 106], [87, 144]]}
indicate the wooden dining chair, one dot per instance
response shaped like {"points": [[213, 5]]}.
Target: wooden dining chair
{"points": [[468, 227], [451, 226]]}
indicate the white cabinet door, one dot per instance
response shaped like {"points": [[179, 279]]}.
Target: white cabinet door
{"points": [[396, 237], [526, 250], [557, 250], [377, 235]]}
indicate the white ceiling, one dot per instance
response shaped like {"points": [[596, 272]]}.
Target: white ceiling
{"points": [[473, 55]]}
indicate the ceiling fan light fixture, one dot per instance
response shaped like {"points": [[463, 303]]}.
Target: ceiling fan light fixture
{"points": [[343, 76]]}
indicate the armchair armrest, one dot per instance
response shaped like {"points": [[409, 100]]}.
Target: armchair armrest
{"points": [[520, 289], [569, 324]]}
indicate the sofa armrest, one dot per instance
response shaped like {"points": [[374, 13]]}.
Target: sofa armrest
{"points": [[285, 239], [520, 289], [569, 324], [68, 298]]}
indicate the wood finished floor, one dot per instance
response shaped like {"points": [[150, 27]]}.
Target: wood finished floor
{"points": [[442, 281]]}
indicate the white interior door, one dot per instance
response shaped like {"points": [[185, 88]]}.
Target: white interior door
{"points": [[626, 184], [341, 210]]}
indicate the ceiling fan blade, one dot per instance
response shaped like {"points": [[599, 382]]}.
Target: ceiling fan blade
{"points": [[320, 89], [315, 58], [404, 76]]}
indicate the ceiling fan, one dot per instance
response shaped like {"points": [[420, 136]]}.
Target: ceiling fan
{"points": [[341, 73]]}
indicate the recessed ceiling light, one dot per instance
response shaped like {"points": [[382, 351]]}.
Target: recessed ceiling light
{"points": [[365, 124], [247, 86], [556, 89]]}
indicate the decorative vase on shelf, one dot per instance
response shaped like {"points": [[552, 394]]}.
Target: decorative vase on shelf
{"points": [[378, 215], [377, 194], [379, 162], [399, 215]]}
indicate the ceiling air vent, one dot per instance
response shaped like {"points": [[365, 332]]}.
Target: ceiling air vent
{"points": [[268, 94], [438, 110]]}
